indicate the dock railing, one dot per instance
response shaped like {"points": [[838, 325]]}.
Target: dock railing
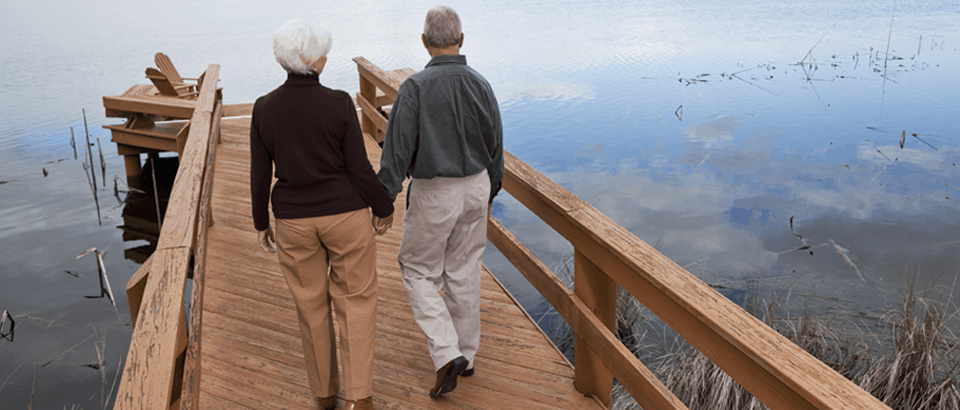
{"points": [[772, 368], [161, 370]]}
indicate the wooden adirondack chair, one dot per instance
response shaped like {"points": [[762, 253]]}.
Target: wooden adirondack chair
{"points": [[168, 69], [168, 88]]}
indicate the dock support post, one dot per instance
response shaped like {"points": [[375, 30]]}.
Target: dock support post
{"points": [[369, 92], [134, 171], [599, 293]]}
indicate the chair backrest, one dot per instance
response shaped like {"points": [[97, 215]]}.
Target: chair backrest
{"points": [[161, 82], [167, 68]]}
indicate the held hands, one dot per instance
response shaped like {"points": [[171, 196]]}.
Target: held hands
{"points": [[382, 225], [266, 240]]}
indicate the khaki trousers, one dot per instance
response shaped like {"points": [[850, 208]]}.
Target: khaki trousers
{"points": [[344, 246], [444, 236]]}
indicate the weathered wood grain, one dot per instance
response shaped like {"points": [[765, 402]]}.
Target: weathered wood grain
{"points": [[148, 374], [180, 223], [190, 395], [135, 287]]}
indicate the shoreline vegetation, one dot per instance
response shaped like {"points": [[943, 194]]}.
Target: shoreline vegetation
{"points": [[912, 364]]}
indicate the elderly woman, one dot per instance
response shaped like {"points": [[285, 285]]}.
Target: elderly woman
{"points": [[309, 135]]}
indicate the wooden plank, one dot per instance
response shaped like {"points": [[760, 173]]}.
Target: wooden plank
{"points": [[599, 294], [142, 143], [180, 222], [129, 150], [135, 287], [388, 82], [368, 91], [371, 113], [125, 106], [190, 399], [165, 130], [148, 374], [237, 110], [227, 380], [772, 368], [648, 391], [181, 139]]}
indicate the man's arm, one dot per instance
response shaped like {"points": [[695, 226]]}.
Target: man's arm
{"points": [[495, 169], [401, 139]]}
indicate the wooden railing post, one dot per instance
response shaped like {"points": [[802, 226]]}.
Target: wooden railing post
{"points": [[599, 293], [368, 91]]}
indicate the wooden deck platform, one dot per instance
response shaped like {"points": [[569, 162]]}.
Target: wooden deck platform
{"points": [[251, 350]]}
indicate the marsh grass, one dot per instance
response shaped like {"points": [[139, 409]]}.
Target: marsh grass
{"points": [[913, 364]]}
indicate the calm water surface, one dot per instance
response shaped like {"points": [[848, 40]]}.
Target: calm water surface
{"points": [[591, 95]]}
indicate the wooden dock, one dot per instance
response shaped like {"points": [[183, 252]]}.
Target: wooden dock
{"points": [[251, 352], [240, 346]]}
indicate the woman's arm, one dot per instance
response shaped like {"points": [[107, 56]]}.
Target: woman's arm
{"points": [[358, 165]]}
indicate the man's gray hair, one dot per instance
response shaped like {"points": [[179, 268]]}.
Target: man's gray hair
{"points": [[442, 27], [298, 43]]}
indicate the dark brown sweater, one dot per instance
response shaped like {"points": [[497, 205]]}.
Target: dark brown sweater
{"points": [[311, 135]]}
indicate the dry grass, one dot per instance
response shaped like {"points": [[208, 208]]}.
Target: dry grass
{"points": [[915, 366]]}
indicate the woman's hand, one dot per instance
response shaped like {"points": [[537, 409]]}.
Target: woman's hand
{"points": [[382, 225], [266, 239]]}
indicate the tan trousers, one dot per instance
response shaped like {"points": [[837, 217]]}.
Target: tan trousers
{"points": [[345, 244], [444, 236]]}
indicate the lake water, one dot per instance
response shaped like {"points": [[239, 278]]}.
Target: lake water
{"points": [[691, 123]]}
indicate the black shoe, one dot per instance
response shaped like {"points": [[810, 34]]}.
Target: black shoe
{"points": [[467, 373], [447, 376]]}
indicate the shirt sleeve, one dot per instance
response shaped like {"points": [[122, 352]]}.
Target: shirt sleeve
{"points": [[401, 139], [261, 175], [495, 145], [359, 170]]}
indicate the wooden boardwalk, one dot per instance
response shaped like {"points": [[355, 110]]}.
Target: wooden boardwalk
{"points": [[251, 351], [242, 349]]}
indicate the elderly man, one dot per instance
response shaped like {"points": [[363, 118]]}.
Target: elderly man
{"points": [[309, 137], [445, 133]]}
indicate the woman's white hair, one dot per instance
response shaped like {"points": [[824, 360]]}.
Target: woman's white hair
{"points": [[442, 27], [298, 43]]}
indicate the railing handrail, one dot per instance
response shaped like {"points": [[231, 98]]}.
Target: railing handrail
{"points": [[774, 369], [159, 333]]}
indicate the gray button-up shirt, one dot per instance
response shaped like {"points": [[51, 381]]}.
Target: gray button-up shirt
{"points": [[445, 122]]}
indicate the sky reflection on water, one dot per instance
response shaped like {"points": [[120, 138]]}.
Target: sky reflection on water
{"points": [[589, 91]]}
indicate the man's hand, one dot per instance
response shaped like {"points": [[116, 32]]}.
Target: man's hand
{"points": [[266, 239], [382, 225]]}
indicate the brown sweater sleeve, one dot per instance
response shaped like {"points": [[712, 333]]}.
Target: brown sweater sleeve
{"points": [[261, 175], [359, 169]]}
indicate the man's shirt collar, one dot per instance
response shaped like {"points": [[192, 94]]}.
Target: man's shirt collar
{"points": [[444, 60]]}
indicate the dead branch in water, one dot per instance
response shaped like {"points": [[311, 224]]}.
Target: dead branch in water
{"points": [[3, 320], [89, 151], [156, 196], [68, 350], [33, 390], [103, 165], [885, 55], [73, 143], [105, 289], [10, 376], [921, 140]]}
